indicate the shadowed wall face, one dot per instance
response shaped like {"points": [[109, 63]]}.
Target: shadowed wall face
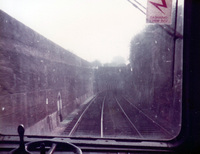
{"points": [[37, 78]]}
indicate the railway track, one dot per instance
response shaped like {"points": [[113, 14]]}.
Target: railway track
{"points": [[111, 116]]}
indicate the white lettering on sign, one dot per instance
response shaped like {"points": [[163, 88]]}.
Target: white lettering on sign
{"points": [[159, 11]]}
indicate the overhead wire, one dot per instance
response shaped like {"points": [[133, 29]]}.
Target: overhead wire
{"points": [[170, 30]]}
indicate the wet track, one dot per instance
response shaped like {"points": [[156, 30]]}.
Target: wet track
{"points": [[111, 115]]}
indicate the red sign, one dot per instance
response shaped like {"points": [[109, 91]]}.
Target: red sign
{"points": [[159, 11]]}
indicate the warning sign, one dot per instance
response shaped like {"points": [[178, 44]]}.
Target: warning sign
{"points": [[159, 11]]}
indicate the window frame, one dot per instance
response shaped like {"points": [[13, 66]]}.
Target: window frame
{"points": [[189, 100]]}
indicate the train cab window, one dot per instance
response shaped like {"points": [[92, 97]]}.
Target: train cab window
{"points": [[82, 69]]}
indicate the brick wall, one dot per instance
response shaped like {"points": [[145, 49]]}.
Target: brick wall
{"points": [[36, 75]]}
